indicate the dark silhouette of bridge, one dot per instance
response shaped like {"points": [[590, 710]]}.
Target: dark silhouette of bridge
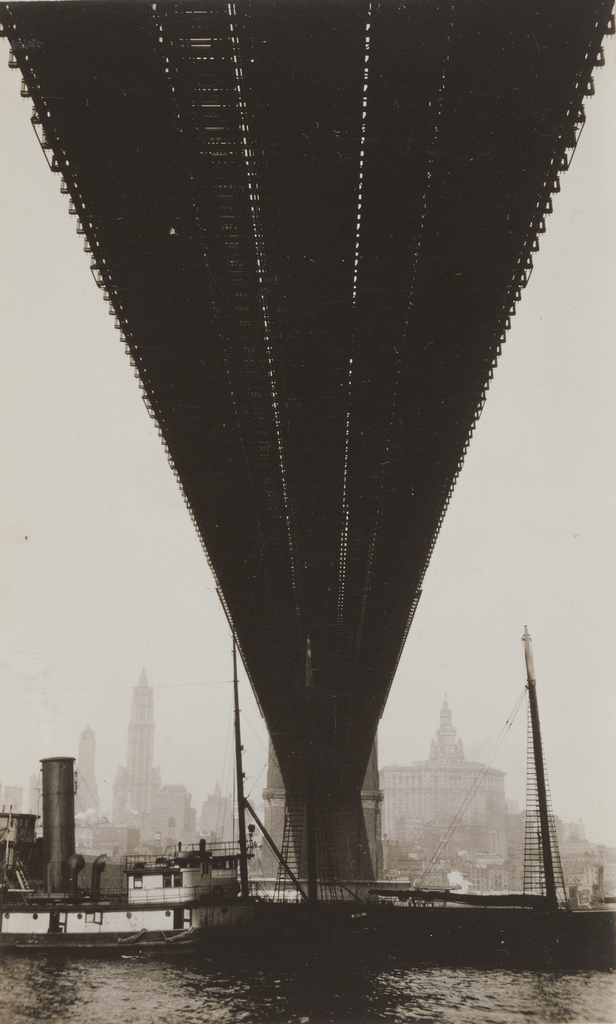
{"points": [[312, 220]]}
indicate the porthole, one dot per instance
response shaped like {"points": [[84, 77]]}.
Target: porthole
{"points": [[225, 910], [7, 915], [167, 913], [35, 917], [79, 917], [129, 914]]}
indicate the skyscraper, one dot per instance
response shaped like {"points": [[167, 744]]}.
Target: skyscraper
{"points": [[119, 807], [216, 822], [87, 791], [175, 819], [34, 794], [12, 798], [136, 785]]}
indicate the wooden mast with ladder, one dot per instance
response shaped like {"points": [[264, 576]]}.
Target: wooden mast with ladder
{"points": [[544, 815], [241, 803]]}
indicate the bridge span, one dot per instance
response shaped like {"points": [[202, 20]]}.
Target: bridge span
{"points": [[312, 222]]}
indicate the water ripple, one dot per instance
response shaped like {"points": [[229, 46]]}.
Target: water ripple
{"points": [[151, 989]]}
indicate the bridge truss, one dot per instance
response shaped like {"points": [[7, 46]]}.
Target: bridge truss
{"points": [[312, 222]]}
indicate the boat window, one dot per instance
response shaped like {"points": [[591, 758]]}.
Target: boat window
{"points": [[167, 881], [94, 918], [177, 880], [138, 883]]}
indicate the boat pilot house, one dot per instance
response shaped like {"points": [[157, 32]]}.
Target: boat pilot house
{"points": [[190, 873]]}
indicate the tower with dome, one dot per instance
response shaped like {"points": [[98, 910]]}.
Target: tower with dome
{"points": [[431, 793]]}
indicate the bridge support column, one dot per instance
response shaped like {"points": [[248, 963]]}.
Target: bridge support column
{"points": [[354, 817], [356, 826], [274, 797], [372, 799]]}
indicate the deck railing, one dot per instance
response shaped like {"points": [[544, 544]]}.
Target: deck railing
{"points": [[134, 861], [113, 897]]}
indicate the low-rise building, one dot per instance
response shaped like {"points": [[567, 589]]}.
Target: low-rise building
{"points": [[114, 840]]}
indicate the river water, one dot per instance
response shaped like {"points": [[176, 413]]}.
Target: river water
{"points": [[190, 989]]}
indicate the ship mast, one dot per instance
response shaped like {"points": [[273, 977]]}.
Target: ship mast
{"points": [[546, 845], [241, 803], [311, 810]]}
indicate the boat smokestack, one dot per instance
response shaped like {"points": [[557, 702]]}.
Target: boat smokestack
{"points": [[58, 821]]}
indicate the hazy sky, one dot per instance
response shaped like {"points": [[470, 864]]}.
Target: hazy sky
{"points": [[102, 572]]}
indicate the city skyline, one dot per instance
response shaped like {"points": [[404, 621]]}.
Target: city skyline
{"points": [[446, 747], [104, 572]]}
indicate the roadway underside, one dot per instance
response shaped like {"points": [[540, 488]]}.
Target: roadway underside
{"points": [[313, 222]]}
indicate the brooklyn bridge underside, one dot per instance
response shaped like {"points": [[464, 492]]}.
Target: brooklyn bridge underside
{"points": [[312, 220]]}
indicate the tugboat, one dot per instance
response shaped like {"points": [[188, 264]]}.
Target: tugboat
{"points": [[181, 898], [195, 895]]}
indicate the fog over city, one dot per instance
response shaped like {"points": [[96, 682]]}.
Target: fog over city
{"points": [[103, 574]]}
